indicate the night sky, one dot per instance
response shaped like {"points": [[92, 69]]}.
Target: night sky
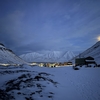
{"points": [[56, 25]]}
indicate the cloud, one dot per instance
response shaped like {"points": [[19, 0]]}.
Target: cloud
{"points": [[50, 25], [10, 29], [29, 48]]}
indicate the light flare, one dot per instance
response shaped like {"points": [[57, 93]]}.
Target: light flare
{"points": [[98, 38]]}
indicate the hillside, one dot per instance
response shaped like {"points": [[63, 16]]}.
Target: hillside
{"points": [[93, 51], [7, 56]]}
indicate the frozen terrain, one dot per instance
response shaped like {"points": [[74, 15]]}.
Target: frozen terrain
{"points": [[36, 83], [41, 83]]}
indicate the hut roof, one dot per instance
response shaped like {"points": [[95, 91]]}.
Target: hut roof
{"points": [[89, 58]]}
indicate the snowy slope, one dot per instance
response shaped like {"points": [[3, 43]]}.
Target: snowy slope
{"points": [[36, 83], [67, 55], [93, 51], [8, 57], [48, 56]]}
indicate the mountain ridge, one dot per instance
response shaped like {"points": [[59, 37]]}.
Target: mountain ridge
{"points": [[50, 56]]}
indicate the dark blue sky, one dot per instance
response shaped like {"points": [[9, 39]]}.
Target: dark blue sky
{"points": [[38, 25]]}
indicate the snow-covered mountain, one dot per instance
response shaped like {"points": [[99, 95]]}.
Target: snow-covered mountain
{"points": [[8, 57], [93, 51], [48, 56]]}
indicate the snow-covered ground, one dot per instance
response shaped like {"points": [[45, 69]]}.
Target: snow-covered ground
{"points": [[41, 83]]}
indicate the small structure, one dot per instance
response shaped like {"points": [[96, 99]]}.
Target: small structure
{"points": [[69, 63], [79, 61], [85, 61]]}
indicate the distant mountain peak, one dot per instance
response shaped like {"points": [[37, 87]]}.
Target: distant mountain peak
{"points": [[48, 56]]}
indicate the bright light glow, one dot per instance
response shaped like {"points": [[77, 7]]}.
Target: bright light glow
{"points": [[4, 64], [98, 38]]}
